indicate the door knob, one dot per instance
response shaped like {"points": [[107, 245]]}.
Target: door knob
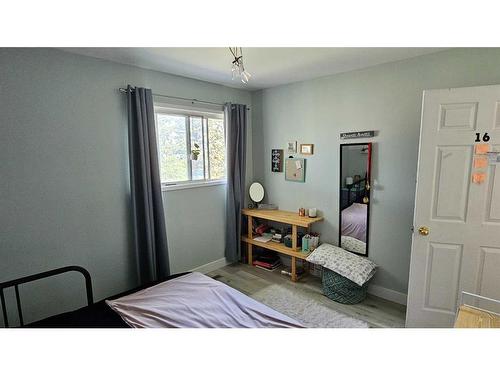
{"points": [[424, 231]]}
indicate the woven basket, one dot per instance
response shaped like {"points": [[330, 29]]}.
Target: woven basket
{"points": [[341, 289]]}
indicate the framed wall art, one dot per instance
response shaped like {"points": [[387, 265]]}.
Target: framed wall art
{"points": [[276, 160], [307, 149]]}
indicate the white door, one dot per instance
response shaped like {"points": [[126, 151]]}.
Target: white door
{"points": [[461, 251]]}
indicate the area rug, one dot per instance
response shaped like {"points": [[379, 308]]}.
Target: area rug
{"points": [[303, 308]]}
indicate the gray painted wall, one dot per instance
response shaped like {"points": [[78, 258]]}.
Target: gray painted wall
{"points": [[196, 226], [64, 181], [386, 98]]}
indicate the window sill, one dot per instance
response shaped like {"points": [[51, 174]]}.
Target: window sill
{"points": [[192, 185]]}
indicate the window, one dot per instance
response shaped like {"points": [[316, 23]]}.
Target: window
{"points": [[191, 146]]}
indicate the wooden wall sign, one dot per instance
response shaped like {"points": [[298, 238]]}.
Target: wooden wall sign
{"points": [[363, 134], [276, 160]]}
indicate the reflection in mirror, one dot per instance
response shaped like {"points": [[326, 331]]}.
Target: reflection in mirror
{"points": [[355, 160]]}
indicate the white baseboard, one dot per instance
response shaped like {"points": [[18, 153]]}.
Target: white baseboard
{"points": [[212, 266], [388, 294]]}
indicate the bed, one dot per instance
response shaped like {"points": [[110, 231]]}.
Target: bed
{"points": [[354, 221], [186, 300]]}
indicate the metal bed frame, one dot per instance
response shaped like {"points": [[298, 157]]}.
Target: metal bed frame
{"points": [[360, 193], [22, 280]]}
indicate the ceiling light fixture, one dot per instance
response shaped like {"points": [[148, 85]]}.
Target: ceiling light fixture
{"points": [[238, 69]]}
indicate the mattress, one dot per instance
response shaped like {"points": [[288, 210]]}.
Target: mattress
{"points": [[181, 301], [196, 301]]}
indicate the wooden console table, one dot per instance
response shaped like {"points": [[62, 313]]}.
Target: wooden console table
{"points": [[285, 217]]}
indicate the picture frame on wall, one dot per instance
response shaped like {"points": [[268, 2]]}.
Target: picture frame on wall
{"points": [[295, 169], [291, 147], [307, 149], [277, 160]]}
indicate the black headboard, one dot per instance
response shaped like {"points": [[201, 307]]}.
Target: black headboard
{"points": [[15, 283]]}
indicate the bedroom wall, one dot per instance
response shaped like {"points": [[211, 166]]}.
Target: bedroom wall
{"points": [[386, 98], [64, 181]]}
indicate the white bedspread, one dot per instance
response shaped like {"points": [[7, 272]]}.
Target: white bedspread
{"points": [[196, 301]]}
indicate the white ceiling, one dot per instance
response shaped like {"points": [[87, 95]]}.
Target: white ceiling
{"points": [[268, 66]]}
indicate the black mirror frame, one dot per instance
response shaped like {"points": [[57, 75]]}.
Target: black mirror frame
{"points": [[369, 172]]}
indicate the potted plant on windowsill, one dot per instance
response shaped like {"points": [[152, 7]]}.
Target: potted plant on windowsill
{"points": [[195, 152]]}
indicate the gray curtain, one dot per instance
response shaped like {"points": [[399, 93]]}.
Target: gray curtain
{"points": [[147, 205], [236, 124]]}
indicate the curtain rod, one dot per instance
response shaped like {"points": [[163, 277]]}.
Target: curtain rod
{"points": [[193, 101]]}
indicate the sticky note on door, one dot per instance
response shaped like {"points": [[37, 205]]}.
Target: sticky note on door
{"points": [[480, 162], [478, 177], [482, 149], [298, 164]]}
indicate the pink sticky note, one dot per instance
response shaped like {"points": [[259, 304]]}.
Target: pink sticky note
{"points": [[480, 162], [482, 149], [478, 177]]}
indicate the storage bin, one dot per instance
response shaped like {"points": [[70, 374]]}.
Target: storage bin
{"points": [[315, 270], [340, 289]]}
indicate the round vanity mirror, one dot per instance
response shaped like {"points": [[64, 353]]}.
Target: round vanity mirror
{"points": [[256, 192]]}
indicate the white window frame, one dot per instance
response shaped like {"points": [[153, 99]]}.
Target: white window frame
{"points": [[204, 113]]}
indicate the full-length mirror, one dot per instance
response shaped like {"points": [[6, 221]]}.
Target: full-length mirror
{"points": [[355, 168]]}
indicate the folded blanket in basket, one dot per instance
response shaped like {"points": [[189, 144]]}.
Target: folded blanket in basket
{"points": [[349, 265]]}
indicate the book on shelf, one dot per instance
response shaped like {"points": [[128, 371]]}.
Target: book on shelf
{"points": [[261, 239], [266, 264], [267, 258]]}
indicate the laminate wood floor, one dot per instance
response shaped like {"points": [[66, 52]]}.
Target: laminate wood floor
{"points": [[377, 312]]}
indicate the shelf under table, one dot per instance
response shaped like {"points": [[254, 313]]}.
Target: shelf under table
{"points": [[278, 247]]}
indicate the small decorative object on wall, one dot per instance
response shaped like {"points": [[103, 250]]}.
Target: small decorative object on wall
{"points": [[306, 149], [291, 147], [363, 134], [276, 160], [295, 170]]}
